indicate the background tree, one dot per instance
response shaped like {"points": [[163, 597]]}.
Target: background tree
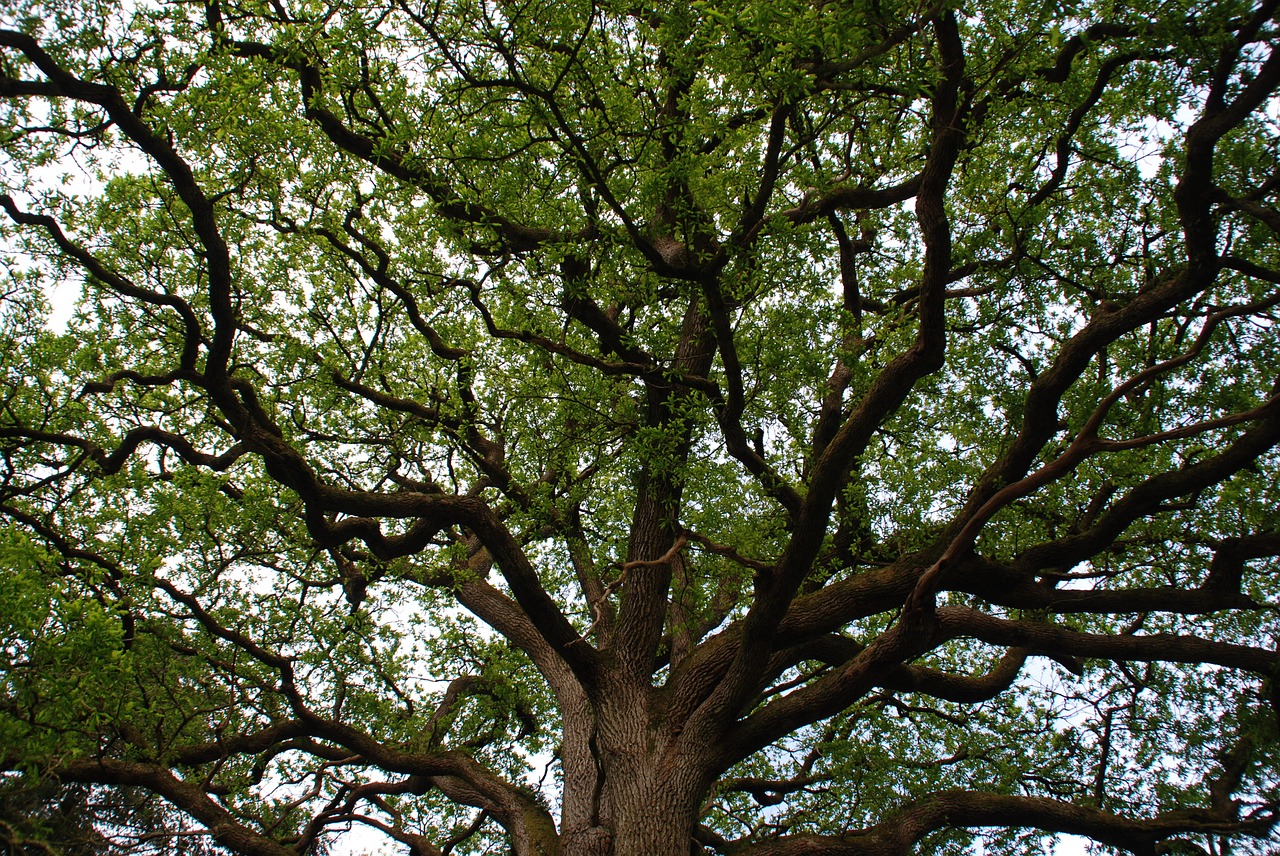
{"points": [[744, 427]]}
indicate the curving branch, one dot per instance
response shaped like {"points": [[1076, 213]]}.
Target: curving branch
{"points": [[899, 832], [193, 336], [217, 256]]}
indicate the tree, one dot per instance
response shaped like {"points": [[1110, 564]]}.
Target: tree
{"points": [[740, 427], [47, 818]]}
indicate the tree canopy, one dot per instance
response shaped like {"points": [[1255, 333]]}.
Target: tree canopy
{"points": [[752, 427]]}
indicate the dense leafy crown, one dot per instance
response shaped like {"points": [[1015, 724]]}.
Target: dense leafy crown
{"points": [[572, 426]]}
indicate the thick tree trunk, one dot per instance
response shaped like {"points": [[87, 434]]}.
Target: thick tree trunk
{"points": [[633, 795], [654, 812], [649, 808]]}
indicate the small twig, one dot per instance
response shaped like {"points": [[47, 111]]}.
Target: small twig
{"points": [[653, 563]]}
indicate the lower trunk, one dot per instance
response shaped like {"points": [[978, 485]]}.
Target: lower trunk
{"points": [[653, 819], [625, 792], [647, 816]]}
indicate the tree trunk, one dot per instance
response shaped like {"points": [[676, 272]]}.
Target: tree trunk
{"points": [[639, 797], [654, 812]]}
